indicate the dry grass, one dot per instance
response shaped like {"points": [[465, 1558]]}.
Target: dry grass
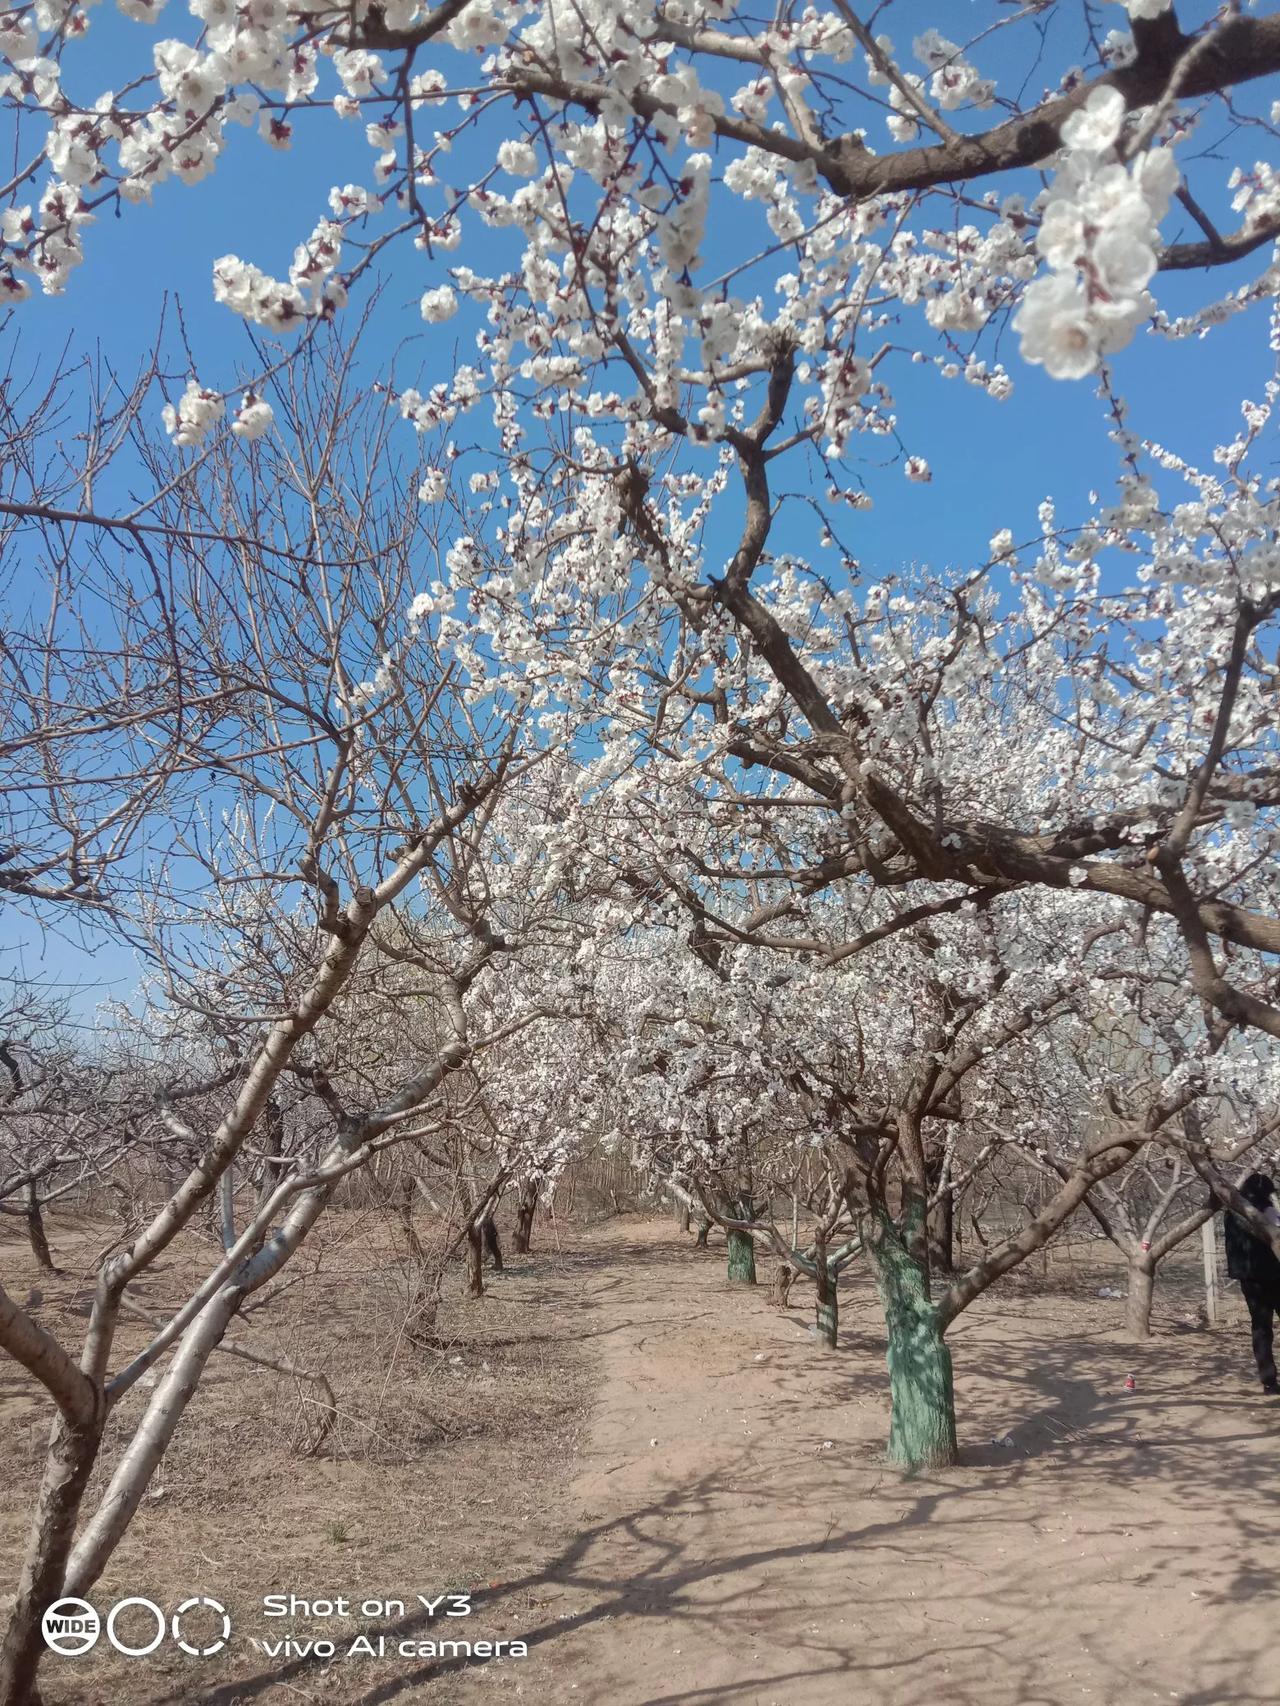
{"points": [[441, 1458]]}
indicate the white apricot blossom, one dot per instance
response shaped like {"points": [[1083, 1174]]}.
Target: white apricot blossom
{"points": [[1099, 234], [248, 291], [518, 158], [194, 416], [663, 138], [253, 418], [438, 304]]}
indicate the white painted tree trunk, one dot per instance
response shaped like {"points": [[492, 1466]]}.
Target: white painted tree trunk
{"points": [[1209, 1236]]}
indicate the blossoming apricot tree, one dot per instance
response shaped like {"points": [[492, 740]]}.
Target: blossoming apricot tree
{"points": [[699, 244], [698, 249]]}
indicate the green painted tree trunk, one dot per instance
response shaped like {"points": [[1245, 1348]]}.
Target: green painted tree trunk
{"points": [[827, 1301], [922, 1430], [827, 1318], [742, 1250], [742, 1258]]}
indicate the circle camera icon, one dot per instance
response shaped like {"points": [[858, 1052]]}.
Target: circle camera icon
{"points": [[219, 1641], [70, 1627], [148, 1646]]}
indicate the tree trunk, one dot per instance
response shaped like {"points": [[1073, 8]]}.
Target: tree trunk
{"points": [[942, 1235], [69, 1463], [704, 1228], [742, 1249], [922, 1431], [827, 1305], [524, 1218], [1142, 1281], [492, 1248], [273, 1146], [152, 1437], [417, 1255], [780, 1287], [475, 1262], [420, 1323], [682, 1216], [36, 1233], [742, 1258]]}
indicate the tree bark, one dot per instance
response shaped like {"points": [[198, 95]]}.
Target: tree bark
{"points": [[420, 1323], [1142, 1279], [704, 1228], [475, 1262], [151, 1439], [827, 1304], [742, 1258], [36, 1233], [492, 1248], [942, 1235], [417, 1255], [524, 1218], [70, 1461], [273, 1145], [922, 1430]]}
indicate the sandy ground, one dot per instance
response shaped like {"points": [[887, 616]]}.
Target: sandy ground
{"points": [[742, 1541], [728, 1532]]}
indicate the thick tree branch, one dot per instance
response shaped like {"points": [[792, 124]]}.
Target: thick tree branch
{"points": [[1242, 50], [42, 1356]]}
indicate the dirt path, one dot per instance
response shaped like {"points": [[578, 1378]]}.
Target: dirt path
{"points": [[739, 1539], [724, 1530]]}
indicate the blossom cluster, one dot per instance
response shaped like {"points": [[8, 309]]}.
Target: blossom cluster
{"points": [[739, 119], [1099, 236], [196, 412]]}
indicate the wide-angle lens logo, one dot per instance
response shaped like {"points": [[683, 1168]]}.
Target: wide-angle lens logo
{"points": [[72, 1626]]}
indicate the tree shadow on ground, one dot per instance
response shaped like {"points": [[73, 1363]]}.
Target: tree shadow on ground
{"points": [[1053, 1444]]}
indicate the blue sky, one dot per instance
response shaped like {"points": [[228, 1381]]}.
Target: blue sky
{"points": [[992, 463]]}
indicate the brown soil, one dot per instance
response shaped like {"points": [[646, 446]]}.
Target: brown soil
{"points": [[436, 1471], [729, 1532]]}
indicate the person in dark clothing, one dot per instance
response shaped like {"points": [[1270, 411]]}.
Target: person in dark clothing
{"points": [[1253, 1263]]}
